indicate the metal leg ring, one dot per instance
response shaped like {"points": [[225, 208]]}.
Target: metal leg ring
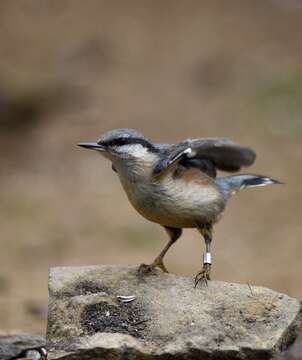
{"points": [[207, 258]]}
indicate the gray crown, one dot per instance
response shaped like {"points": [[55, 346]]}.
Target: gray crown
{"points": [[121, 133]]}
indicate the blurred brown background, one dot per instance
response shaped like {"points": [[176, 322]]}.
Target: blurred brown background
{"points": [[71, 70]]}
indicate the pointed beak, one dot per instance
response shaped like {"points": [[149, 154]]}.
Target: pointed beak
{"points": [[92, 146]]}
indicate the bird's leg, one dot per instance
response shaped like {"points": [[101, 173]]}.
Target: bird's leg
{"points": [[204, 274], [174, 234]]}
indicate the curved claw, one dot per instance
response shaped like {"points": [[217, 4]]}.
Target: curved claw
{"points": [[159, 263], [203, 275], [149, 269]]}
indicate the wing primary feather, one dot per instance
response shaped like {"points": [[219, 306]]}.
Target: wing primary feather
{"points": [[222, 153]]}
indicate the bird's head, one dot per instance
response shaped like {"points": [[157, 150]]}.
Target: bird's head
{"points": [[124, 146]]}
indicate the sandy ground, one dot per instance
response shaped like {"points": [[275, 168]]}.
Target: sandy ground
{"points": [[71, 70]]}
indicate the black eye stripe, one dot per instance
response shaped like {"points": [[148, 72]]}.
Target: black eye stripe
{"points": [[114, 142], [127, 141], [117, 142]]}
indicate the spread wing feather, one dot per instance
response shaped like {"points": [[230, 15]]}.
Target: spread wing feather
{"points": [[224, 154]]}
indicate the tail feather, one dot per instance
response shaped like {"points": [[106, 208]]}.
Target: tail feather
{"points": [[232, 184], [256, 180]]}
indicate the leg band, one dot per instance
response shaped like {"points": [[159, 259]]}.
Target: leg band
{"points": [[207, 258]]}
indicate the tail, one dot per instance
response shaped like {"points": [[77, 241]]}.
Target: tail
{"points": [[232, 184]]}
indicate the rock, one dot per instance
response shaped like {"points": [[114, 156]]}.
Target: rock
{"points": [[12, 346], [293, 353], [169, 318]]}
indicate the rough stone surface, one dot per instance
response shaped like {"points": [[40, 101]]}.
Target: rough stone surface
{"points": [[170, 319], [293, 353], [12, 346]]}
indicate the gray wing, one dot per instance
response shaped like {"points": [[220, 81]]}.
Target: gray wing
{"points": [[223, 154]]}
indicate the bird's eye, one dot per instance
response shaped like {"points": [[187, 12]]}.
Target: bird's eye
{"points": [[121, 141]]}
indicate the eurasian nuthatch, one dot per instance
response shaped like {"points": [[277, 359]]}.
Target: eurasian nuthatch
{"points": [[175, 185]]}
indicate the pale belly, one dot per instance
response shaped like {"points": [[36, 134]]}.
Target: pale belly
{"points": [[175, 204]]}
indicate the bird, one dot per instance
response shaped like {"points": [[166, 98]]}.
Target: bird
{"points": [[176, 185]]}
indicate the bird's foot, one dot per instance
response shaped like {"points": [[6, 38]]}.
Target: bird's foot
{"points": [[151, 269], [203, 275]]}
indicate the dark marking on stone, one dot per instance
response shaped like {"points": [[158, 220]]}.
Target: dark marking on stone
{"points": [[89, 287], [84, 287], [121, 318]]}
